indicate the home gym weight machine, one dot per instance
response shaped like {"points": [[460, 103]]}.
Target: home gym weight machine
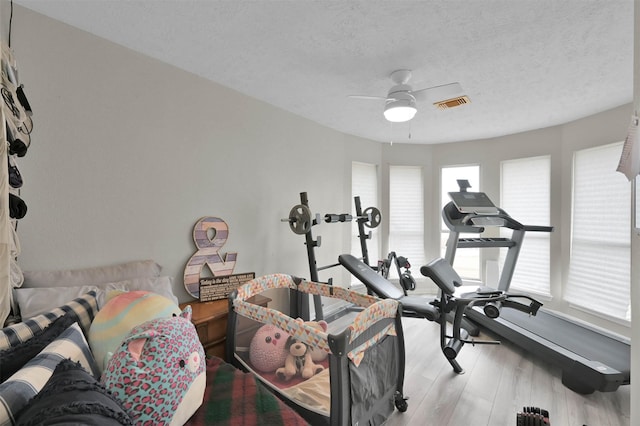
{"points": [[590, 359], [301, 221], [449, 306], [406, 280]]}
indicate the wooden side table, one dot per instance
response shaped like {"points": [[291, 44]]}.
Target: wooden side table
{"points": [[210, 320]]}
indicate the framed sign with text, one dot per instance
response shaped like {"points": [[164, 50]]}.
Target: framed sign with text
{"points": [[215, 288]]}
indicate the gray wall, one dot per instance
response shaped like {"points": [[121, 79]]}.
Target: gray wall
{"points": [[128, 153]]}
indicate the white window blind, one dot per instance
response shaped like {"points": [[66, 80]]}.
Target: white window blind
{"points": [[406, 213], [364, 184], [525, 196], [467, 260], [599, 267]]}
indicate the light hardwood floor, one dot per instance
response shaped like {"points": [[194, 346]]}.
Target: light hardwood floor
{"points": [[498, 381]]}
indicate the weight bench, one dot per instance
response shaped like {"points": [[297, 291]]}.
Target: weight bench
{"points": [[448, 304]]}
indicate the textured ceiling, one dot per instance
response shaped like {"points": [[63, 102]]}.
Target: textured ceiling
{"points": [[525, 64]]}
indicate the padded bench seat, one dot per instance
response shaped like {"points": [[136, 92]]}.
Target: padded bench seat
{"points": [[411, 305]]}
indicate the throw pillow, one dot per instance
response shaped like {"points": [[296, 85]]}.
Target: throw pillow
{"points": [[83, 308], [33, 301], [14, 358], [91, 276], [73, 396], [16, 391]]}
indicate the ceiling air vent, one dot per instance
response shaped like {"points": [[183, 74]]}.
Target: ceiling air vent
{"points": [[452, 103]]}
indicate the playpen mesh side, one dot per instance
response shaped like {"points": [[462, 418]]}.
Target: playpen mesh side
{"points": [[372, 388]]}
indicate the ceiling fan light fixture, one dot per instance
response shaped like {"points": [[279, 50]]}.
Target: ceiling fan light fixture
{"points": [[400, 110]]}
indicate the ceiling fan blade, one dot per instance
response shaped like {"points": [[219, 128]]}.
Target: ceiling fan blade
{"points": [[376, 98], [439, 93]]}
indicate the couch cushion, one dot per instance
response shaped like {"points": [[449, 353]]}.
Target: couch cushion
{"points": [[16, 391], [14, 358], [72, 396]]}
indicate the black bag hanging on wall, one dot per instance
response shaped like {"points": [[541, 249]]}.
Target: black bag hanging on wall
{"points": [[17, 207]]}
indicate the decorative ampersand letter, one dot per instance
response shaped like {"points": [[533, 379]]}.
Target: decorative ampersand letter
{"points": [[208, 253]]}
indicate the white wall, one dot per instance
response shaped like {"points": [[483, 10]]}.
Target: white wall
{"points": [[128, 153]]}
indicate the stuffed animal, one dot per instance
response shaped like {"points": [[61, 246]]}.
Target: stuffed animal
{"points": [[158, 372], [267, 350], [318, 355], [298, 361], [119, 315]]}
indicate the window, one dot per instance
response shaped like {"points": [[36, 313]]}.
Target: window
{"points": [[364, 184], [599, 267], [525, 196], [467, 260], [406, 213]]}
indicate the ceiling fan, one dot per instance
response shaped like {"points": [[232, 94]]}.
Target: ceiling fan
{"points": [[400, 102]]}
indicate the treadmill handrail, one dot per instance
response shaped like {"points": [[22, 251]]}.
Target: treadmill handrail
{"points": [[465, 223], [538, 228], [509, 221]]}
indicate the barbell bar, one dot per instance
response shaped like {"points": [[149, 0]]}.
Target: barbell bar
{"points": [[300, 218]]}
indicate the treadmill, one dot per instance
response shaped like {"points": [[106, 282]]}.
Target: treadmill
{"points": [[590, 359]]}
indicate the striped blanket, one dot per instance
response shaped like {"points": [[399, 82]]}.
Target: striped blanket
{"points": [[233, 397]]}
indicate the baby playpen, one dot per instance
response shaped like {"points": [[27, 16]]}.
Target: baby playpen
{"points": [[364, 370]]}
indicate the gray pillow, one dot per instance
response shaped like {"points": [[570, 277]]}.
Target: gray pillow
{"points": [[33, 301], [91, 276]]}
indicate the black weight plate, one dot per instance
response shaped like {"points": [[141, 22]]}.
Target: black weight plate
{"points": [[375, 215], [300, 219]]}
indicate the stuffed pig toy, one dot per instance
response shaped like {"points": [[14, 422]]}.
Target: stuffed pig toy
{"points": [[158, 372]]}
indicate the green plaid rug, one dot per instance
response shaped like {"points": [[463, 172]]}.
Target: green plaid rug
{"points": [[234, 398]]}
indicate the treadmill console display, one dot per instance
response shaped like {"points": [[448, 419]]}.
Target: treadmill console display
{"points": [[473, 202]]}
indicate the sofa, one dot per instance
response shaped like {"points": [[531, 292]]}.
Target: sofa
{"points": [[155, 372]]}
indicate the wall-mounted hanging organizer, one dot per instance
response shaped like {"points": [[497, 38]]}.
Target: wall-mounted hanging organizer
{"points": [[15, 139]]}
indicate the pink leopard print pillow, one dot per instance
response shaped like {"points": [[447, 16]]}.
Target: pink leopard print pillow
{"points": [[158, 372]]}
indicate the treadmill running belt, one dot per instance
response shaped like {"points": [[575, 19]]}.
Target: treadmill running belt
{"points": [[574, 337]]}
